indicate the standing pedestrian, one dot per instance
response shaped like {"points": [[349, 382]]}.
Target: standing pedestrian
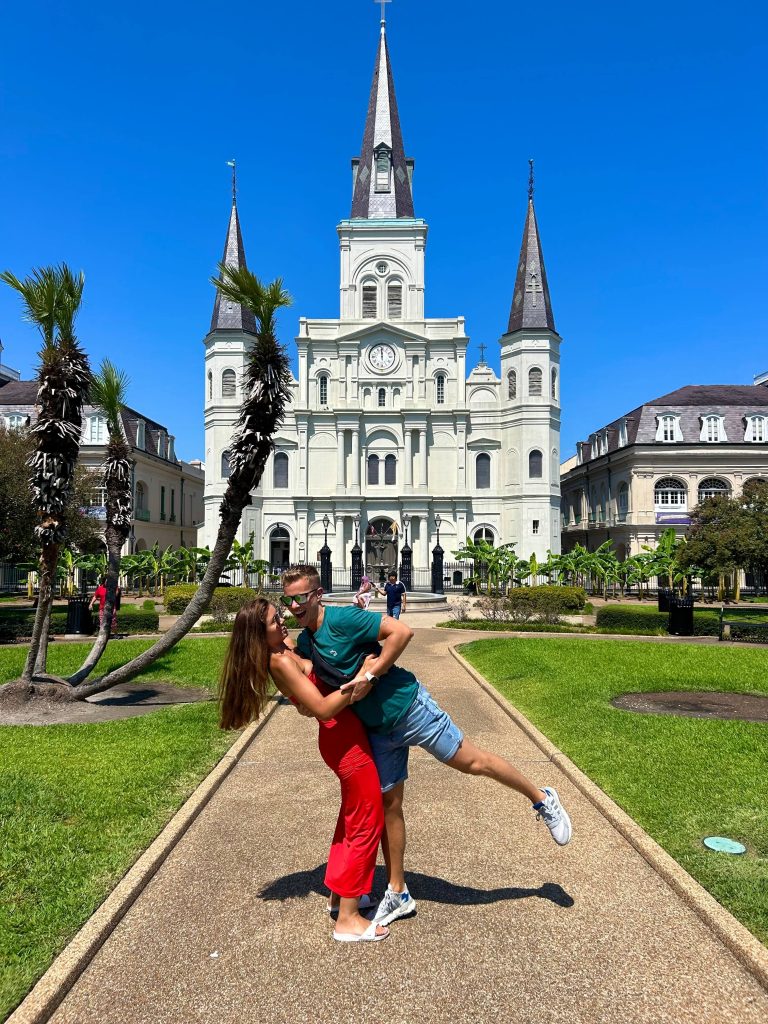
{"points": [[395, 593]]}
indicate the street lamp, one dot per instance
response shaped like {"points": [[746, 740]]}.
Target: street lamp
{"points": [[406, 524], [326, 571], [406, 556], [357, 557], [326, 524], [356, 521], [438, 520]]}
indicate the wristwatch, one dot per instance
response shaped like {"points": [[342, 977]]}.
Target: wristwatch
{"points": [[372, 678]]}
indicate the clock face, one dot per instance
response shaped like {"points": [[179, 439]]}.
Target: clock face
{"points": [[382, 357]]}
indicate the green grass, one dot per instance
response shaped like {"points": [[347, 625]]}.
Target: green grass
{"points": [[681, 779], [79, 804]]}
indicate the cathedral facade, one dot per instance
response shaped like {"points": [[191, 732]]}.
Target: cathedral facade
{"points": [[387, 431]]}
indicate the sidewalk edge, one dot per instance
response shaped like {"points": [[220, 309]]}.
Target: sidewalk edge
{"points": [[750, 952], [51, 989]]}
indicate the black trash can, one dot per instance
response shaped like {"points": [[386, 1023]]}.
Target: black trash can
{"points": [[680, 616], [79, 616], [664, 596]]}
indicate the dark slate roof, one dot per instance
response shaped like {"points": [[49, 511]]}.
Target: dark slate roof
{"points": [[19, 392], [734, 402], [382, 125], [531, 307], [228, 316]]}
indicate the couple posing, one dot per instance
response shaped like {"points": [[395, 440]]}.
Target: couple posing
{"points": [[343, 672]]}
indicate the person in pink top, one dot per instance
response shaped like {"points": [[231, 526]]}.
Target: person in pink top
{"points": [[364, 594]]}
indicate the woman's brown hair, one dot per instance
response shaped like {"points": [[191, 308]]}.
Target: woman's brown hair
{"points": [[244, 682]]}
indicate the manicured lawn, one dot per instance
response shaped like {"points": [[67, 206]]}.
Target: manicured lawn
{"points": [[681, 779], [79, 804]]}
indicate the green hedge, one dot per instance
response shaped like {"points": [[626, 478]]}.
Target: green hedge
{"points": [[551, 599], [229, 599], [645, 620], [16, 623]]}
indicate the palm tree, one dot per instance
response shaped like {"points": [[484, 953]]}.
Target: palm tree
{"points": [[266, 390], [51, 298], [108, 392]]}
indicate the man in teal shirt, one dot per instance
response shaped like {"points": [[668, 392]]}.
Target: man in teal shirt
{"points": [[398, 713]]}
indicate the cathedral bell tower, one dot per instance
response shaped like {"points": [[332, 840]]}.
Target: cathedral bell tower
{"points": [[382, 243]]}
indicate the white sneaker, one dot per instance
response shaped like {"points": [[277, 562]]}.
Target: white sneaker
{"points": [[394, 905], [554, 816], [367, 900]]}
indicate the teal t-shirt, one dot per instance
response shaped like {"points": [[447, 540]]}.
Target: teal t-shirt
{"points": [[347, 634]]}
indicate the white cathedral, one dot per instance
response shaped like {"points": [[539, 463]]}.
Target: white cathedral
{"points": [[386, 432]]}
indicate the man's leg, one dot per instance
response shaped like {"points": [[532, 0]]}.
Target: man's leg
{"points": [[473, 760], [396, 612], [393, 840]]}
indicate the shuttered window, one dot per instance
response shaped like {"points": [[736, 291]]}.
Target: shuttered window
{"points": [[395, 301], [390, 470], [228, 384], [369, 302], [534, 381]]}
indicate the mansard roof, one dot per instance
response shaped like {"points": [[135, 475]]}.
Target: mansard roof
{"points": [[227, 315], [531, 306], [382, 126]]}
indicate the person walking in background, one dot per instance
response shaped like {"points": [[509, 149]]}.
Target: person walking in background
{"points": [[100, 598], [395, 593], [365, 593]]}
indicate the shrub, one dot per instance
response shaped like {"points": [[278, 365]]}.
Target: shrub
{"points": [[643, 621], [177, 597], [148, 605], [229, 599], [459, 609], [137, 620], [16, 623]]}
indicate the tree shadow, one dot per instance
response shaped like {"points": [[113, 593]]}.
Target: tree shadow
{"points": [[424, 887]]}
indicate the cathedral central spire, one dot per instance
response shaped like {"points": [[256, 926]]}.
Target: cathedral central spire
{"points": [[382, 185]]}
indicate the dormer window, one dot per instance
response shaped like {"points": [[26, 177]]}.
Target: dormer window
{"points": [[383, 163], [622, 433], [161, 444], [141, 434], [756, 431], [97, 430], [712, 428], [668, 428]]}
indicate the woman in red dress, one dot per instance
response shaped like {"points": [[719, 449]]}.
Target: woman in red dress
{"points": [[259, 648]]}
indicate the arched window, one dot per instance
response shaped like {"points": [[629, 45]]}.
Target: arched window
{"points": [[535, 465], [280, 470], [534, 381], [670, 495], [756, 429], [210, 384], [322, 388], [97, 430], [712, 429], [622, 500], [668, 429], [554, 382], [483, 471], [369, 301], [483, 533], [382, 397], [395, 300], [440, 389], [228, 384], [390, 470], [141, 498], [511, 384], [373, 469], [225, 468], [712, 488]]}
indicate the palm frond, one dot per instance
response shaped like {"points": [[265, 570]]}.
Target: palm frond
{"points": [[108, 392], [40, 292], [241, 286]]}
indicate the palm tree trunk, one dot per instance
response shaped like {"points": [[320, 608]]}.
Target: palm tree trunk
{"points": [[114, 546], [38, 648]]}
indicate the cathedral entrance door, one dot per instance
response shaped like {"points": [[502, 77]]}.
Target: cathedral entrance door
{"points": [[381, 548], [279, 549]]}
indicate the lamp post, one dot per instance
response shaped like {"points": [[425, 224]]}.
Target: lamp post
{"points": [[326, 569], [437, 561], [357, 557], [406, 556]]}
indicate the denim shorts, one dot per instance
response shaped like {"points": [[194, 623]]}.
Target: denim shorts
{"points": [[425, 725]]}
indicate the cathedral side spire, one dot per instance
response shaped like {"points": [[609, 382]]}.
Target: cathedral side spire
{"points": [[531, 306], [382, 187], [227, 315]]}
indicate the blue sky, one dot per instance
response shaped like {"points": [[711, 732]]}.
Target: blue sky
{"points": [[647, 123]]}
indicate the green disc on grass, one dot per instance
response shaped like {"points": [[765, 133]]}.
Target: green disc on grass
{"points": [[722, 845]]}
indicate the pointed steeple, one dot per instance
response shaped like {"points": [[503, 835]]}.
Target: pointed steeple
{"points": [[227, 315], [382, 187], [531, 307]]}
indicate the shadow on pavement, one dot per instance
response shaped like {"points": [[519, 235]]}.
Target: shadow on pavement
{"points": [[423, 887]]}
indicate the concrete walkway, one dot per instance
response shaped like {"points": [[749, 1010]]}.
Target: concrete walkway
{"points": [[509, 927]]}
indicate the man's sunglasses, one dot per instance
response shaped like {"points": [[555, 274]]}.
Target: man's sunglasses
{"points": [[299, 599]]}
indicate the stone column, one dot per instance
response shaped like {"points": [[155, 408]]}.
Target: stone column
{"points": [[422, 458], [356, 460], [341, 480], [408, 458]]}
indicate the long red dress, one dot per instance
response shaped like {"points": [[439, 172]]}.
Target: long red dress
{"points": [[344, 747]]}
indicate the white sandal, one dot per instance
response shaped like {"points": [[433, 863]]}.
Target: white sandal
{"points": [[369, 935]]}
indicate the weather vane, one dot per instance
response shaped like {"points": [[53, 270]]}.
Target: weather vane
{"points": [[381, 5], [530, 180], [232, 164]]}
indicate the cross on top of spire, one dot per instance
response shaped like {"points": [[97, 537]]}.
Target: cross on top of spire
{"points": [[530, 180], [381, 4], [233, 164]]}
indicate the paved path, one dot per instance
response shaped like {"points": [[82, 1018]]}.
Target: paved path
{"points": [[509, 926]]}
